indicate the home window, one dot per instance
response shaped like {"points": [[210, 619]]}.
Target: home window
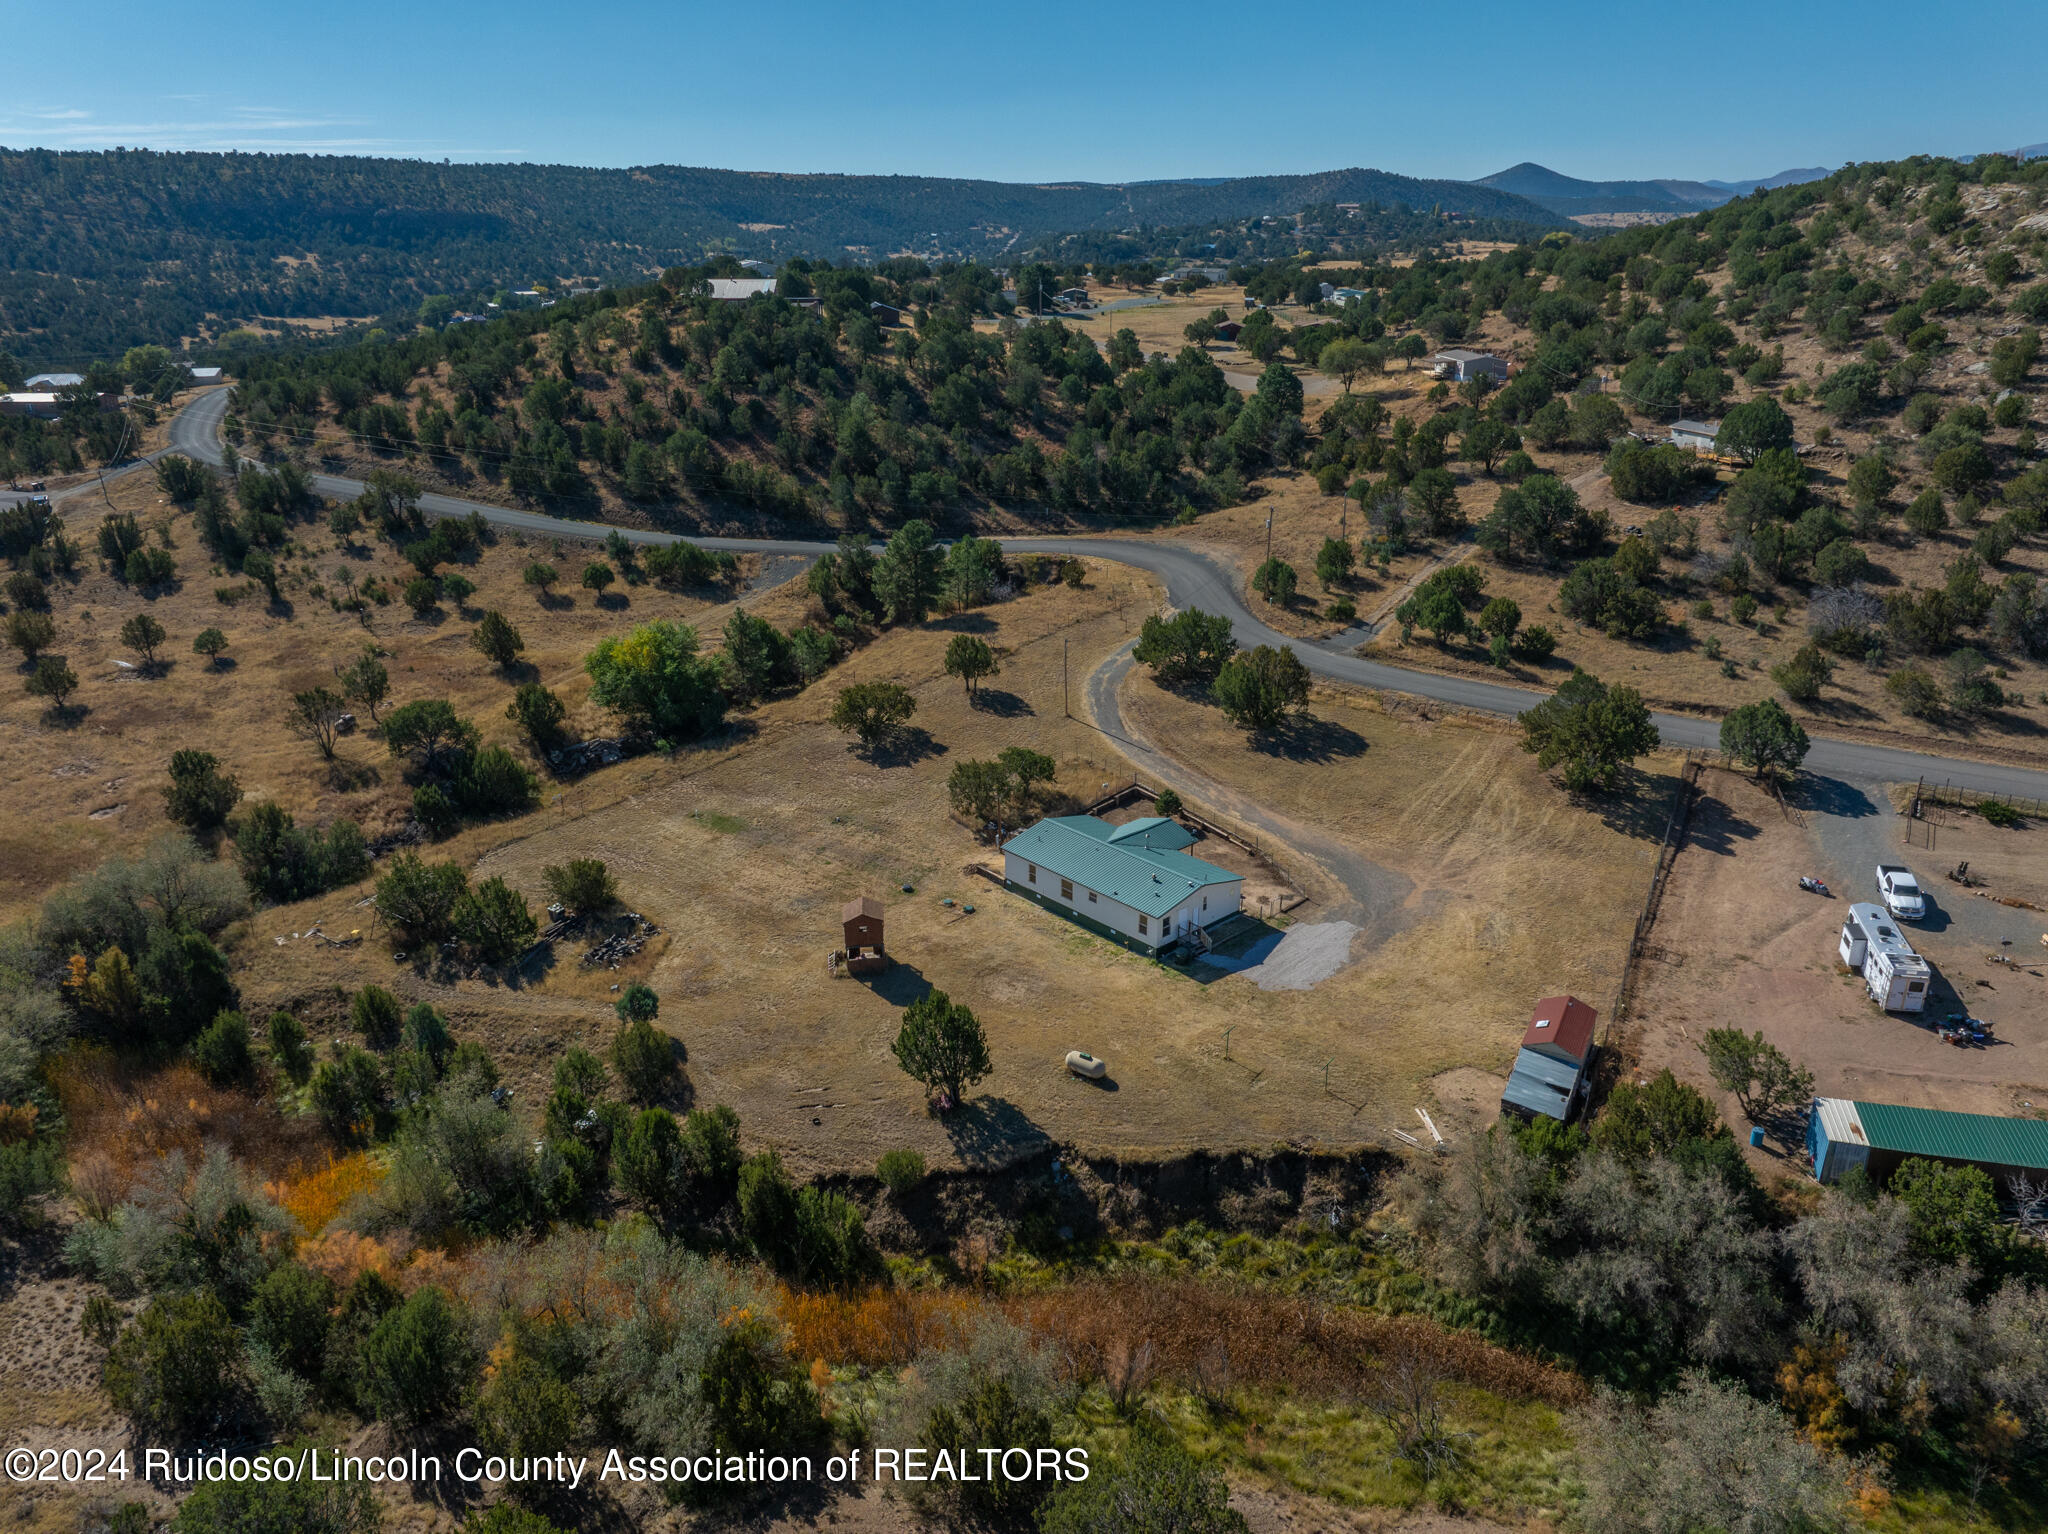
{"points": [[1091, 897], [1143, 926], [1915, 987], [1066, 889], [1205, 902], [1030, 873]]}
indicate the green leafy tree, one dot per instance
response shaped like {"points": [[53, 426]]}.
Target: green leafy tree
{"points": [[1753, 428], [873, 712], [277, 1504], [648, 1161], [199, 794], [1257, 689], [430, 732], [365, 682], [941, 1044], [1591, 730], [1654, 1119], [970, 659], [1436, 607], [417, 1362], [52, 679], [711, 1156], [541, 576], [1764, 735], [1763, 1078], [655, 678], [419, 898], [598, 575], [582, 885], [377, 1016], [315, 715], [1335, 561], [496, 639], [906, 575], [31, 633], [645, 1059], [222, 1051], [637, 1004], [1954, 1210], [144, 635], [494, 919], [539, 713], [211, 643], [1275, 581], [176, 1370], [1185, 650]]}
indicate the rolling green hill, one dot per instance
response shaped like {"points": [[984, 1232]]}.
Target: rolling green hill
{"points": [[99, 252]]}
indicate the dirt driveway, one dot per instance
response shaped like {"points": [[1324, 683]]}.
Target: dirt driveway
{"points": [[1737, 943]]}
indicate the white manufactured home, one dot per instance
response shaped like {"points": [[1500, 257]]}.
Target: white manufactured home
{"points": [[1135, 883]]}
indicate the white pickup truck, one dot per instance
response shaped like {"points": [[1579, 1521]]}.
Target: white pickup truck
{"points": [[1900, 892]]}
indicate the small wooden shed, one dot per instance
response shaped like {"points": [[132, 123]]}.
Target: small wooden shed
{"points": [[862, 920]]}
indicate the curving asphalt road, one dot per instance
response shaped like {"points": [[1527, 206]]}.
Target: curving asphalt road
{"points": [[1193, 579]]}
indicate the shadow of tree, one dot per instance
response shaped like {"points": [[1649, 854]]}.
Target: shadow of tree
{"points": [[1830, 796], [964, 623], [994, 700], [992, 1132], [1306, 738], [911, 744], [1716, 828]]}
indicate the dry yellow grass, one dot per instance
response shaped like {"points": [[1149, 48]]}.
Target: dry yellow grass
{"points": [[88, 783]]}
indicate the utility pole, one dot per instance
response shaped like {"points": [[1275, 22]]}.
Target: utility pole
{"points": [[1269, 532], [1064, 709]]}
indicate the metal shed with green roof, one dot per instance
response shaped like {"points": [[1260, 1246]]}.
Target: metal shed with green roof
{"points": [[1842, 1133], [1136, 884]]}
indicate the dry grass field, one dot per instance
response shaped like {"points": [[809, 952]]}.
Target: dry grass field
{"points": [[743, 851], [1516, 891], [87, 782]]}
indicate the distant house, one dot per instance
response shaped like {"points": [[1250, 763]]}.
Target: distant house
{"points": [[1695, 436], [734, 290], [1841, 1133], [1345, 295], [1135, 884], [1072, 295], [205, 375], [1457, 364], [1229, 330], [51, 382], [1549, 1078], [1328, 290], [884, 314], [760, 268], [459, 318], [45, 405]]}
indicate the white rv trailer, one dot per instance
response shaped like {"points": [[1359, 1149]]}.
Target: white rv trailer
{"points": [[1896, 977]]}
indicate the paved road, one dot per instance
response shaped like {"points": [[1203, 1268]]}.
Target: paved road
{"points": [[133, 465], [1193, 579]]}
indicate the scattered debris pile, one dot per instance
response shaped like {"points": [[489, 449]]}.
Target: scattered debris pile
{"points": [[586, 755], [621, 945]]}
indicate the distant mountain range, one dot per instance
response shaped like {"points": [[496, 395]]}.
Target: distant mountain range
{"points": [[1570, 197]]}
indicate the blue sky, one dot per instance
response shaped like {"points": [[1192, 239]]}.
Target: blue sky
{"points": [[1177, 88]]}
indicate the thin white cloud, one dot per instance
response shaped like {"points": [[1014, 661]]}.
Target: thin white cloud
{"points": [[229, 127]]}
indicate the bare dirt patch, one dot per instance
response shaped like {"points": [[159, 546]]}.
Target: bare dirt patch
{"points": [[1739, 944]]}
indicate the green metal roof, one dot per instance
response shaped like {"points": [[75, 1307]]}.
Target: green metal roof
{"points": [[1937, 1132], [1078, 847]]}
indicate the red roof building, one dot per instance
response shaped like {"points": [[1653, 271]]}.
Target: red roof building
{"points": [[1563, 1029]]}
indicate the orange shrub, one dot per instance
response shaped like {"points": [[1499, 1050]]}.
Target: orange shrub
{"points": [[875, 1327], [18, 1124], [315, 1198], [133, 1116]]}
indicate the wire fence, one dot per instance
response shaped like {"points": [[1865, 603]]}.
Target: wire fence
{"points": [[1660, 876], [1947, 793]]}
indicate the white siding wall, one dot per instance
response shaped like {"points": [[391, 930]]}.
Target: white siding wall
{"points": [[1223, 900]]}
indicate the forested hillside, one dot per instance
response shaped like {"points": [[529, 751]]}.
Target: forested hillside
{"points": [[100, 252]]}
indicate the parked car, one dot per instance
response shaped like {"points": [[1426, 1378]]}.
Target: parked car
{"points": [[1900, 892]]}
